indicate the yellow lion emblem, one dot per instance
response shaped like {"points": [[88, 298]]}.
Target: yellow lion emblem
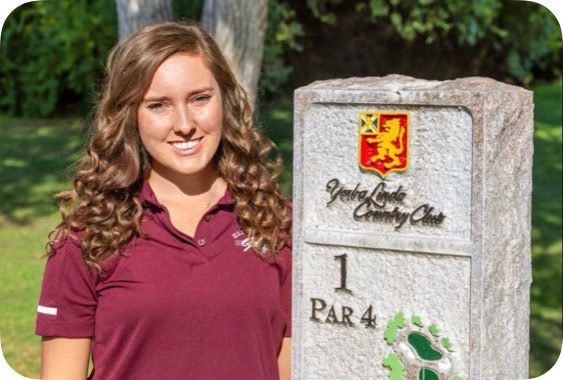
{"points": [[385, 142]]}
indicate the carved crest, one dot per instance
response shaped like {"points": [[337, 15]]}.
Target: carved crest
{"points": [[383, 140]]}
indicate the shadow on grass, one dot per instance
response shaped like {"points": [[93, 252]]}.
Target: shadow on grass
{"points": [[34, 160]]}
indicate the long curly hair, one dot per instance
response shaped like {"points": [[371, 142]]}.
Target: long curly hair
{"points": [[103, 204]]}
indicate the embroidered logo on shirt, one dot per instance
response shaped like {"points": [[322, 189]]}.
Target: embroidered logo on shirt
{"points": [[243, 241]]}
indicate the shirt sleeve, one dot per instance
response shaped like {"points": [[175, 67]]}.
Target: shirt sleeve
{"points": [[67, 304]]}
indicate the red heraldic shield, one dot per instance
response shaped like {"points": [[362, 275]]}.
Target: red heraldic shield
{"points": [[383, 141]]}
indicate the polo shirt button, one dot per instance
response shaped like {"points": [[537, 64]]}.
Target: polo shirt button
{"points": [[207, 217], [201, 242]]}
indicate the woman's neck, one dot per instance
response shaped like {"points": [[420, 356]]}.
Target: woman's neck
{"points": [[189, 198], [202, 185]]}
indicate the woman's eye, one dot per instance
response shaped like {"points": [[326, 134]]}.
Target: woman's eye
{"points": [[201, 98], [156, 106]]}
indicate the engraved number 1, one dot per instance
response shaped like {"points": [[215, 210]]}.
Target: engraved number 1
{"points": [[343, 260]]}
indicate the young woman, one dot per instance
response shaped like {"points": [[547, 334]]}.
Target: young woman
{"points": [[173, 258]]}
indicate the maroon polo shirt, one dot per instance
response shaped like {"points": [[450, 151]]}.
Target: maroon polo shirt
{"points": [[172, 306]]}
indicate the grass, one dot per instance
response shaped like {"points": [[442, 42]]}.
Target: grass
{"points": [[546, 292], [35, 156]]}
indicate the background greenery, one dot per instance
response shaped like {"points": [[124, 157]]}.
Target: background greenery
{"points": [[50, 66]]}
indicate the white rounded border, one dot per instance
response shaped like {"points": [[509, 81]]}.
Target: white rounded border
{"points": [[7, 6]]}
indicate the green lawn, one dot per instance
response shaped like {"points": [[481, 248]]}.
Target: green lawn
{"points": [[546, 293], [35, 156]]}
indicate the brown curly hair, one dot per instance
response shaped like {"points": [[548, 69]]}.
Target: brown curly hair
{"points": [[103, 204]]}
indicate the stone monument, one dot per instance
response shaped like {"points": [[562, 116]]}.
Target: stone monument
{"points": [[412, 204]]}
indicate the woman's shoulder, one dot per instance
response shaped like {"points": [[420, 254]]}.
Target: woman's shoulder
{"points": [[66, 249], [66, 240], [64, 258]]}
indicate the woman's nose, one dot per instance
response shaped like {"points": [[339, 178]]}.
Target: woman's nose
{"points": [[183, 123]]}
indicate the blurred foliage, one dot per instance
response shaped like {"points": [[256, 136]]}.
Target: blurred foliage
{"points": [[534, 43], [320, 9], [470, 21], [282, 35], [525, 33], [53, 50]]}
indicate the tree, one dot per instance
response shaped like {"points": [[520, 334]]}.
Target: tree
{"points": [[134, 14], [49, 57], [239, 27], [519, 40]]}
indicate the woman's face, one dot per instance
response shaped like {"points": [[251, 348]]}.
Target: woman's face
{"points": [[180, 118]]}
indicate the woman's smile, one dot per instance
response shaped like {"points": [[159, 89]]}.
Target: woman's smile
{"points": [[186, 146]]}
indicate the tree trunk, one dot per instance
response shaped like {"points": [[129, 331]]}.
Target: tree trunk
{"points": [[239, 27], [135, 14]]}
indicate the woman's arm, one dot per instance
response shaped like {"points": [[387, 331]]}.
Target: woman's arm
{"points": [[284, 360], [65, 358]]}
